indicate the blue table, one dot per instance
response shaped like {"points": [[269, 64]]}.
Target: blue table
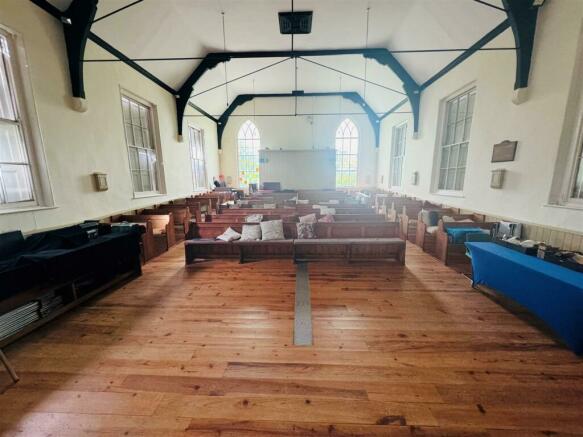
{"points": [[552, 292]]}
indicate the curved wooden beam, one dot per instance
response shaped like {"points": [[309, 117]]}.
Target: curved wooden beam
{"points": [[350, 95], [77, 20], [522, 15], [382, 56]]}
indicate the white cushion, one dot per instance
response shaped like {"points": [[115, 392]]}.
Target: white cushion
{"points": [[254, 218], [251, 232], [272, 230], [269, 205], [431, 229], [466, 221], [327, 211], [303, 202], [229, 235], [310, 218], [447, 219], [334, 202]]}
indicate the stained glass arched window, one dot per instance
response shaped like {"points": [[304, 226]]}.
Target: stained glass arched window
{"points": [[346, 154], [249, 143]]}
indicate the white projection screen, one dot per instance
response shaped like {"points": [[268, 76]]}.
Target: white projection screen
{"points": [[301, 169]]}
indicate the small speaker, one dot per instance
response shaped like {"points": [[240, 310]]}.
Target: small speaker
{"points": [[295, 22]]}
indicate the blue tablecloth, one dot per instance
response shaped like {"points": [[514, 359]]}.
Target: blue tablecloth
{"points": [[458, 235], [552, 292]]}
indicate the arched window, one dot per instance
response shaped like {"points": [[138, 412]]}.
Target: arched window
{"points": [[346, 154], [249, 142]]}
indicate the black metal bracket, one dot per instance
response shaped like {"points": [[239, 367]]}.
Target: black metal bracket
{"points": [[349, 95], [183, 94], [522, 15], [61, 16], [382, 56], [411, 87], [77, 20]]}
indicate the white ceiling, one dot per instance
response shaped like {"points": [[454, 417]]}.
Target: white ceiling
{"points": [[189, 28]]}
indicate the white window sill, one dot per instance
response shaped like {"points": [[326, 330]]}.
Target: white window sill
{"points": [[146, 195], [26, 209], [450, 193], [575, 206]]}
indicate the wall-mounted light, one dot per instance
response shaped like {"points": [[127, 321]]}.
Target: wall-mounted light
{"points": [[415, 178], [100, 180], [497, 178]]}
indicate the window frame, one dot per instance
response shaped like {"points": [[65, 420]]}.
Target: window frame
{"points": [[441, 137], [575, 154], [403, 125], [204, 187], [27, 119], [357, 154], [155, 138], [239, 182]]}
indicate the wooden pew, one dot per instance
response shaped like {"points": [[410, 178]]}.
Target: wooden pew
{"points": [[376, 240], [290, 215], [213, 200], [323, 230], [195, 207], [425, 235], [147, 243], [295, 210], [162, 229], [180, 214], [455, 253], [408, 217]]}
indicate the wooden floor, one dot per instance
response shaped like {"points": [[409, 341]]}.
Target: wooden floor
{"points": [[208, 351]]}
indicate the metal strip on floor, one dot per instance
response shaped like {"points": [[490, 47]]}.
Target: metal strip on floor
{"points": [[303, 307]]}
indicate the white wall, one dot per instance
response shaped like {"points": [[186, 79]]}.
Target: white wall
{"points": [[78, 144], [300, 132], [537, 125]]}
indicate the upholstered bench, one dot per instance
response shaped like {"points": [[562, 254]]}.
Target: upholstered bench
{"points": [[350, 249]]}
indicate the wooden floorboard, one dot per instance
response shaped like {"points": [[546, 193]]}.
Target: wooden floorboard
{"points": [[208, 350]]}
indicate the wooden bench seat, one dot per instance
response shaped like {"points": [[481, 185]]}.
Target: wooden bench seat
{"points": [[351, 241], [264, 249], [350, 249]]}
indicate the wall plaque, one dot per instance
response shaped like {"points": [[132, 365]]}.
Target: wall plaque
{"points": [[504, 151]]}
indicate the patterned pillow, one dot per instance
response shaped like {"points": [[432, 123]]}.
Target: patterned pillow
{"points": [[229, 235], [272, 230], [251, 233], [327, 219], [306, 231], [254, 218], [310, 218]]}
